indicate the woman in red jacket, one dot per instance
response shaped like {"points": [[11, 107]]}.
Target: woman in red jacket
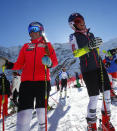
{"points": [[32, 85]]}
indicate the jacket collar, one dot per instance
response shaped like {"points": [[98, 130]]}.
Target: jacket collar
{"points": [[38, 40], [85, 32]]}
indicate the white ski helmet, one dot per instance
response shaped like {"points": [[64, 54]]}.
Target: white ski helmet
{"points": [[72, 19]]}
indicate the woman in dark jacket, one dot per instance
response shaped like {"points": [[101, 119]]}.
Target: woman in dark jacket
{"points": [[85, 46]]}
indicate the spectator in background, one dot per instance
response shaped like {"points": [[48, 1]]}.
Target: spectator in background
{"points": [[4, 94], [111, 67], [63, 75], [15, 87]]}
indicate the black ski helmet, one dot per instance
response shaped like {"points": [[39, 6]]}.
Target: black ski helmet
{"points": [[36, 27], [71, 19]]}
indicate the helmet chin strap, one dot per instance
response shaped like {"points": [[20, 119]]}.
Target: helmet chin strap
{"points": [[84, 31], [77, 29]]}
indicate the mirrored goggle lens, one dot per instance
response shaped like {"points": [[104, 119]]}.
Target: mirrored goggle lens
{"points": [[78, 20], [33, 29]]}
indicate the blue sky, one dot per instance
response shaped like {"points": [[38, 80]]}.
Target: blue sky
{"points": [[100, 16]]}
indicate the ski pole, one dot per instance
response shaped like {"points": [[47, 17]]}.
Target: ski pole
{"points": [[45, 97], [47, 54], [3, 97], [61, 104], [102, 78]]}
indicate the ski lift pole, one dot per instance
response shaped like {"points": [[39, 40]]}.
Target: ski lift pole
{"points": [[3, 97], [45, 97]]}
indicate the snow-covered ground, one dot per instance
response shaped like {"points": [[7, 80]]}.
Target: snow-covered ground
{"points": [[69, 114]]}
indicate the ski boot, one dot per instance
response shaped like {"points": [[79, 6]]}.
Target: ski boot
{"points": [[106, 124], [92, 127], [113, 95]]}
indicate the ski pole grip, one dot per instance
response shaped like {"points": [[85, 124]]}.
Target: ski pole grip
{"points": [[3, 68]]}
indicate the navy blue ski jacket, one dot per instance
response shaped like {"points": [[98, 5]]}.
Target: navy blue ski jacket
{"points": [[91, 60]]}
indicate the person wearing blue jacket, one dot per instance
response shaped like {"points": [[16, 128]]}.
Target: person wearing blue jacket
{"points": [[111, 67]]}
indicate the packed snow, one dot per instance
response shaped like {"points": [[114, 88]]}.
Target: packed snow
{"points": [[69, 113]]}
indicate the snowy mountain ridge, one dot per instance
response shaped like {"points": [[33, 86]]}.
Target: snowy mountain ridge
{"points": [[64, 55]]}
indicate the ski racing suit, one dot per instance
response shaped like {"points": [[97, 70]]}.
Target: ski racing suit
{"points": [[90, 64], [32, 85]]}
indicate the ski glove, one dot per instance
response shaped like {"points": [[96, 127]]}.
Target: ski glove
{"points": [[4, 62], [107, 64], [95, 43], [47, 61], [9, 65]]}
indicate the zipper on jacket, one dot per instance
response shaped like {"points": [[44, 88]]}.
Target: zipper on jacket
{"points": [[34, 60]]}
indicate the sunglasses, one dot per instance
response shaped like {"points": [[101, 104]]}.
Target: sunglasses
{"points": [[78, 20], [33, 29]]}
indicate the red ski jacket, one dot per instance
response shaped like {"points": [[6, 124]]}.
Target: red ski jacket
{"points": [[30, 60]]}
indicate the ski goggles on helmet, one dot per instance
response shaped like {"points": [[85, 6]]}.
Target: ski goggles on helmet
{"points": [[78, 20], [34, 29]]}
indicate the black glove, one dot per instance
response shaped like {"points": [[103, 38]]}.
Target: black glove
{"points": [[113, 51], [9, 65], [95, 43], [107, 64], [2, 61]]}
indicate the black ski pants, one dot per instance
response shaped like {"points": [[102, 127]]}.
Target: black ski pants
{"points": [[93, 81], [63, 84], [30, 91]]}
